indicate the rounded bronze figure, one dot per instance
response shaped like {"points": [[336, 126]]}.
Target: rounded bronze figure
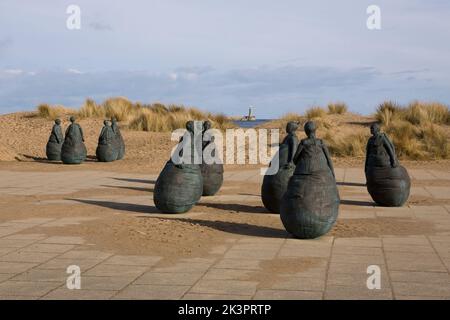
{"points": [[179, 185], [73, 150], [118, 139], [274, 186], [55, 142], [388, 183], [212, 172], [106, 150], [310, 206]]}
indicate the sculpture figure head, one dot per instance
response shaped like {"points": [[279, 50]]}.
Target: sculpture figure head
{"points": [[58, 121], [113, 120], [375, 129], [206, 125], [190, 126], [72, 119], [105, 122], [310, 129], [291, 126]]}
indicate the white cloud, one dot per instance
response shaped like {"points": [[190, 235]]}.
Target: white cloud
{"points": [[13, 71], [173, 76], [74, 71]]}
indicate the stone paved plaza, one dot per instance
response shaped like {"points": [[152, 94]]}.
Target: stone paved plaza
{"points": [[413, 266]]}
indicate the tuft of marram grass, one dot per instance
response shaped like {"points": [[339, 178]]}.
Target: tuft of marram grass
{"points": [[155, 117], [388, 111], [47, 111], [426, 112], [417, 113], [337, 108], [91, 110], [349, 145], [315, 112]]}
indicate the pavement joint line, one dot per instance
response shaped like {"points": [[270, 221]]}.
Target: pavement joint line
{"points": [[207, 270], [130, 283], [328, 266], [277, 255], [40, 263], [437, 253], [387, 270]]}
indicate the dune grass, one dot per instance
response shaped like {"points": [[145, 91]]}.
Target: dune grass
{"points": [[417, 113], [337, 108], [47, 111], [416, 129], [155, 117], [315, 112]]}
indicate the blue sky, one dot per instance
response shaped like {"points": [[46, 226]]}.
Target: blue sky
{"points": [[279, 56]]}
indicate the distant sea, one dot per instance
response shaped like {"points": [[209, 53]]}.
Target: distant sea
{"points": [[250, 124]]}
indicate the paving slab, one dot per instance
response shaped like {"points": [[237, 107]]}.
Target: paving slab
{"points": [[156, 292], [287, 295]]}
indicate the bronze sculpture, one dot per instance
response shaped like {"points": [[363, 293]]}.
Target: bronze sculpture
{"points": [[106, 149], [179, 185], [388, 183], [73, 150], [118, 139], [212, 172], [274, 186], [55, 142], [310, 206]]}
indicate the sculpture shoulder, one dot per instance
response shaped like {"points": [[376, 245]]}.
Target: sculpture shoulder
{"points": [[385, 136], [290, 137], [310, 142]]}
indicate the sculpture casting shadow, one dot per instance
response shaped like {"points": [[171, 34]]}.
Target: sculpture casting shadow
{"points": [[234, 207], [351, 184], [236, 228], [45, 160], [130, 207], [36, 159], [135, 180], [131, 188], [358, 203]]}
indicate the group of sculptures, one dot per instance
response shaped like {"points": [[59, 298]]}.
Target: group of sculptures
{"points": [[70, 148], [181, 185], [304, 191]]}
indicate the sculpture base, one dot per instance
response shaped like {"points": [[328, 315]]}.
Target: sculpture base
{"points": [[53, 151], [73, 154], [177, 190], [212, 178], [310, 205], [388, 186], [274, 188], [106, 153]]}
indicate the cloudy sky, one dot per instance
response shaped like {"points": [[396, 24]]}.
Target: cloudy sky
{"points": [[279, 56]]}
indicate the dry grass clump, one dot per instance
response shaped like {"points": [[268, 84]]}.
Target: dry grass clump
{"points": [[352, 144], [91, 110], [427, 112], [388, 111], [337, 108], [47, 111], [315, 112], [419, 142], [160, 118], [417, 113], [416, 129], [155, 117], [120, 108]]}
